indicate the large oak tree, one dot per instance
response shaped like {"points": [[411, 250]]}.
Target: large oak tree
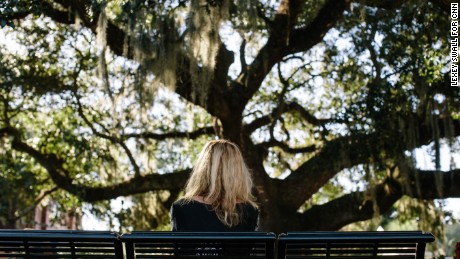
{"points": [[312, 92]]}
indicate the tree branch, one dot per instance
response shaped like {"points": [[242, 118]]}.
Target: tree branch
{"points": [[162, 136], [353, 207], [285, 147], [360, 206], [429, 185], [108, 137], [308, 117], [333, 157], [304, 38], [298, 40], [346, 152], [287, 107], [115, 35], [61, 176], [220, 102], [243, 56]]}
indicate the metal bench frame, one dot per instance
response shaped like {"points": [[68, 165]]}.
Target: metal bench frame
{"points": [[321, 244], [30, 244], [199, 244]]}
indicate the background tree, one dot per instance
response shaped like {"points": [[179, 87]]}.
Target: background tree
{"points": [[115, 98]]}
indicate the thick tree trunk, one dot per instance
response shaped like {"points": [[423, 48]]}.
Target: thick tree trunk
{"points": [[275, 217]]}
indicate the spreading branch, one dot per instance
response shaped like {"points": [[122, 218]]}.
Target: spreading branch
{"points": [[292, 107], [353, 207], [299, 40], [346, 152], [61, 176], [177, 134], [430, 184], [286, 148], [359, 206], [110, 138]]}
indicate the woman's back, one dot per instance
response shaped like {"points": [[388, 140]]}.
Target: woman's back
{"points": [[218, 193], [197, 216]]}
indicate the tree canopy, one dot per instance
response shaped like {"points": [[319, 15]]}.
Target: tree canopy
{"points": [[328, 99]]}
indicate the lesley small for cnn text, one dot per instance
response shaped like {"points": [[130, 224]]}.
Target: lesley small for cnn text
{"points": [[454, 44]]}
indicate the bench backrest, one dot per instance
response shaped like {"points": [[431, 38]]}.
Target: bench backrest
{"points": [[153, 244], [390, 244], [59, 244], [149, 244]]}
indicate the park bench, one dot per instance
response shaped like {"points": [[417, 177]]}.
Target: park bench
{"points": [[149, 244], [30, 244], [387, 244]]}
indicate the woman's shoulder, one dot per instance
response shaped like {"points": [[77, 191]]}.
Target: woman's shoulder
{"points": [[184, 203], [180, 203], [179, 207]]}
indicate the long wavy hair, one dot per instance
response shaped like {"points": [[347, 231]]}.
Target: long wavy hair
{"points": [[222, 178]]}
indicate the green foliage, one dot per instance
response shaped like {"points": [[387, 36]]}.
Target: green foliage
{"points": [[16, 174], [50, 91]]}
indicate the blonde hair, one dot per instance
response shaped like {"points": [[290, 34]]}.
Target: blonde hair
{"points": [[221, 177]]}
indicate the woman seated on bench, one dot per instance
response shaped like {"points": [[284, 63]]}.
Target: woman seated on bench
{"points": [[218, 193]]}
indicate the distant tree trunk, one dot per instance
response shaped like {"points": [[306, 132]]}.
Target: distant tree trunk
{"points": [[11, 220], [43, 218]]}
